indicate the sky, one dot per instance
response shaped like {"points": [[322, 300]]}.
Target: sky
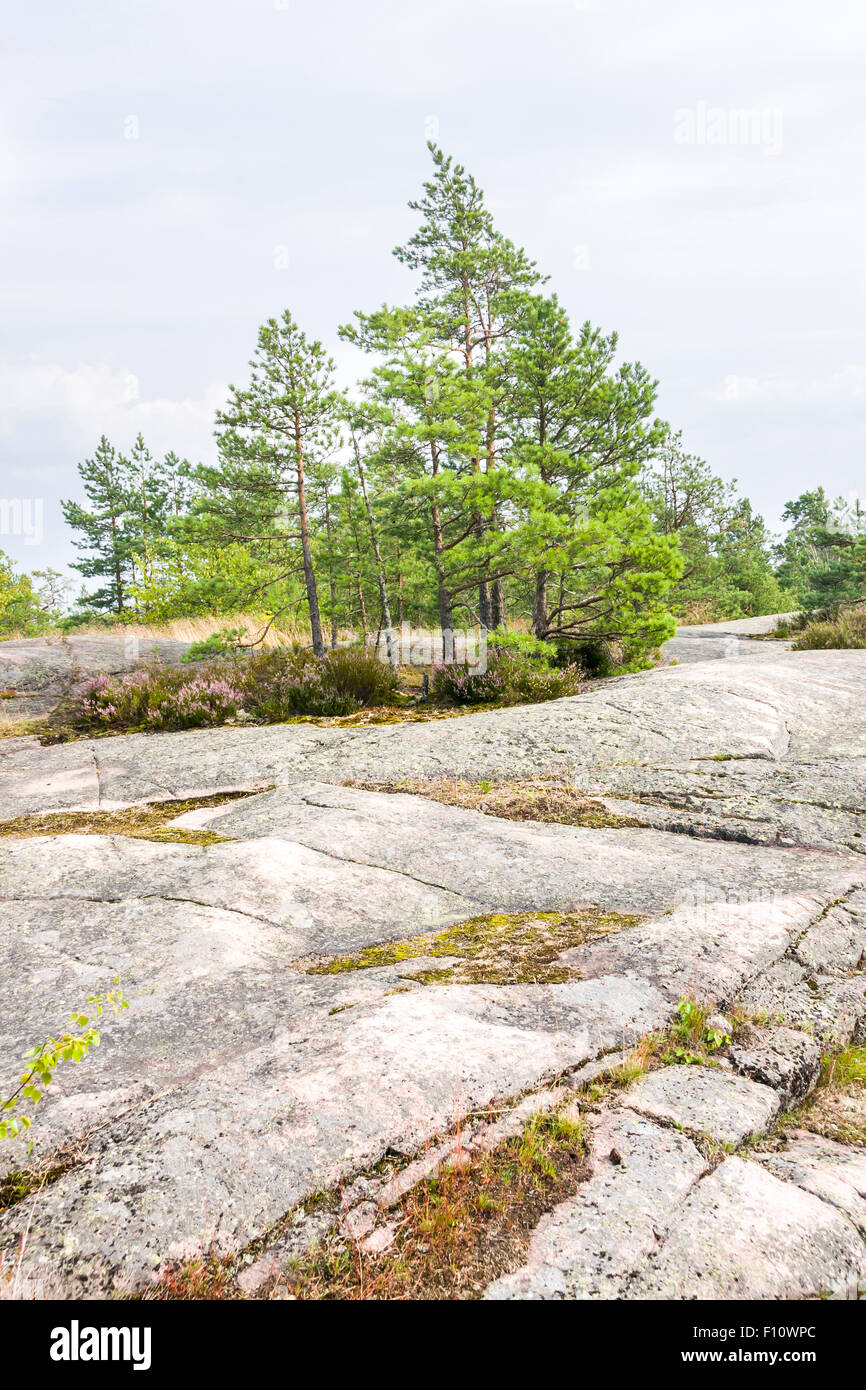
{"points": [[173, 172]]}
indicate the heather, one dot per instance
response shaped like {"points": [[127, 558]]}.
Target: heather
{"points": [[267, 687], [845, 629], [512, 677]]}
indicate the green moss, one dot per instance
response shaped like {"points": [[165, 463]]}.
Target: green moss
{"points": [[23, 1182], [501, 948], [133, 822]]}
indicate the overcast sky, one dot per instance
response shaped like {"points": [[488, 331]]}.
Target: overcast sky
{"points": [[172, 172]]}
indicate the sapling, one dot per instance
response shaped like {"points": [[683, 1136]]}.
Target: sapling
{"points": [[41, 1062]]}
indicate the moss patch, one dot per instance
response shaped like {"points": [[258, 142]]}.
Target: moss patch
{"points": [[19, 728], [503, 948], [542, 799], [20, 1183], [134, 822]]}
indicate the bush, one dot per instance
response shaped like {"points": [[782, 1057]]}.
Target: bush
{"points": [[157, 698], [281, 684], [523, 644], [226, 642], [269, 686], [87, 617], [292, 681], [363, 676], [511, 677], [847, 629], [466, 687]]}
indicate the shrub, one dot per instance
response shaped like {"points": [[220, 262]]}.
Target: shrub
{"points": [[524, 644], [292, 681], [596, 656], [526, 680], [362, 675], [157, 697], [114, 701], [270, 686], [466, 687], [847, 629], [279, 685], [203, 700], [226, 642], [86, 617], [510, 677]]}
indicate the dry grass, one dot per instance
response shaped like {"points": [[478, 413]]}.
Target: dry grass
{"points": [[542, 799], [836, 1109], [133, 822], [503, 948], [458, 1230], [13, 726], [452, 1232], [201, 1279], [252, 625]]}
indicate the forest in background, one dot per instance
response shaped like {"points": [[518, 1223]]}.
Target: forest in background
{"points": [[495, 467]]}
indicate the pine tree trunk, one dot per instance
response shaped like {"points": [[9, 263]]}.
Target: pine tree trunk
{"points": [[309, 572], [446, 622], [485, 607], [446, 617], [118, 580], [399, 589], [331, 581], [498, 603], [363, 608], [380, 568], [539, 607]]}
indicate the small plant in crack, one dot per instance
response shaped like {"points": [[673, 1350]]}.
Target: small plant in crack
{"points": [[40, 1063], [697, 1034]]}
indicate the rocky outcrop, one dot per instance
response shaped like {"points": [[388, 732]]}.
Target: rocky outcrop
{"points": [[239, 1083]]}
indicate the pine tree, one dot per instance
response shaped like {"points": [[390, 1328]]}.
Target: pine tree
{"points": [[103, 528], [273, 435], [586, 427], [473, 288]]}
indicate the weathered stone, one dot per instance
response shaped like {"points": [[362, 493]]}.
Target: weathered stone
{"points": [[832, 1009], [221, 1156], [835, 943], [834, 1172], [236, 1086], [590, 1245], [712, 950], [784, 1058], [800, 706], [743, 1233], [705, 1100], [41, 670]]}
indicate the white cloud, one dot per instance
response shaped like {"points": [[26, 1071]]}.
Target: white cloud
{"points": [[95, 399]]}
